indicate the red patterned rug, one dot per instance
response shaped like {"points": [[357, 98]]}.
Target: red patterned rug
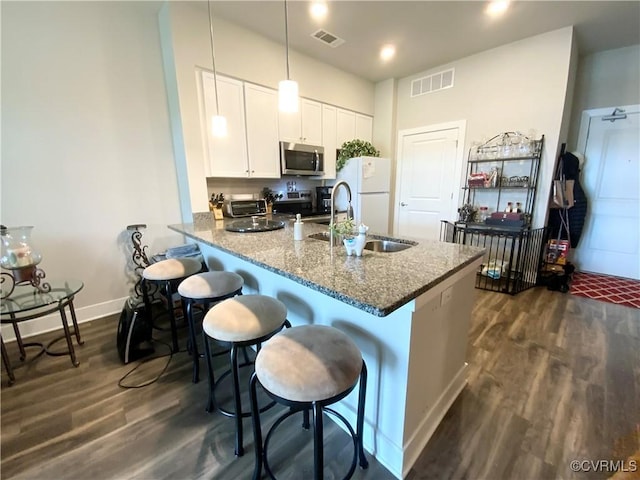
{"points": [[606, 288]]}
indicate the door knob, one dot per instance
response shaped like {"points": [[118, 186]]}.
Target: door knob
{"points": [[403, 204]]}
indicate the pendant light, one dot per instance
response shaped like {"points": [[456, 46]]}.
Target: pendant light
{"points": [[218, 122], [287, 89]]}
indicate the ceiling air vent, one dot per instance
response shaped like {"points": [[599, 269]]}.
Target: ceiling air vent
{"points": [[327, 38], [432, 83]]}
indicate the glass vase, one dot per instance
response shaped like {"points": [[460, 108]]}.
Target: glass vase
{"points": [[17, 248]]}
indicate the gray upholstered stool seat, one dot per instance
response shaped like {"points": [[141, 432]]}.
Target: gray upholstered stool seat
{"points": [[167, 273], [308, 368], [205, 289], [327, 363], [172, 269], [240, 322]]}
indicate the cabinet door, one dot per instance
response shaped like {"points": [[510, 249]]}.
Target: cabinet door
{"points": [[261, 109], [345, 126], [329, 141], [227, 155], [311, 122], [290, 126], [364, 127]]}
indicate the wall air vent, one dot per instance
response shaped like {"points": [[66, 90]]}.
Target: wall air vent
{"points": [[327, 38], [432, 83]]}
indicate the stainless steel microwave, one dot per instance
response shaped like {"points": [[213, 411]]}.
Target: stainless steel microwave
{"points": [[301, 159]]}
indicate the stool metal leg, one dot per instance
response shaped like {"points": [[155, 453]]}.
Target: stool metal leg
{"points": [[318, 447], [192, 339], [305, 419], [207, 353], [172, 316], [236, 398], [364, 463], [257, 431]]}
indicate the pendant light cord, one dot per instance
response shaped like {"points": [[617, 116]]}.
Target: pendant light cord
{"points": [[213, 57], [286, 36]]}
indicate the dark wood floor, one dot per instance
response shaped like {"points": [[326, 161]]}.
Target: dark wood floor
{"points": [[552, 378]]}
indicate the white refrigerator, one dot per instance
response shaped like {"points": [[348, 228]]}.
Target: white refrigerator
{"points": [[370, 181]]}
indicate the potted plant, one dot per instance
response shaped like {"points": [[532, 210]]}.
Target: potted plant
{"points": [[270, 196], [346, 229], [355, 148]]}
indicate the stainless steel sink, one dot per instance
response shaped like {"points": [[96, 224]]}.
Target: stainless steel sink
{"points": [[375, 245], [386, 246]]}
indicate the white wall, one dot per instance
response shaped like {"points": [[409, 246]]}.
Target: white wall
{"points": [[242, 54], [517, 87], [605, 79], [86, 143]]}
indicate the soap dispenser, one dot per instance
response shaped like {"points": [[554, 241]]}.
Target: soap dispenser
{"points": [[297, 228]]}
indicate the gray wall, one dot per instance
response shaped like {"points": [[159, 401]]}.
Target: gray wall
{"points": [[86, 143], [605, 79]]}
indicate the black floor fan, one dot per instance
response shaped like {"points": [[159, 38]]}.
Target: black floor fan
{"points": [[134, 328]]}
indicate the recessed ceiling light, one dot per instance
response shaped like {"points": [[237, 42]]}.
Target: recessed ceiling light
{"points": [[497, 7], [387, 52], [318, 10]]}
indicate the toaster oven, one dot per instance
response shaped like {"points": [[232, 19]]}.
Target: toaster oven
{"points": [[244, 208]]}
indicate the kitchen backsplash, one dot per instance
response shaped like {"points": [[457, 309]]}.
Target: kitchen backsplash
{"points": [[230, 186]]}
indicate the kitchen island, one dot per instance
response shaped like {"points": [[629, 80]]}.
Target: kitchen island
{"points": [[408, 312]]}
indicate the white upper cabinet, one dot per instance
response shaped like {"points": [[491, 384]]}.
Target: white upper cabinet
{"points": [[346, 126], [352, 125], [227, 156], [303, 126], [250, 148], [261, 109], [364, 127], [329, 140]]}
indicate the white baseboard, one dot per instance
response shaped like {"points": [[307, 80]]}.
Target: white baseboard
{"points": [[52, 321], [414, 446]]}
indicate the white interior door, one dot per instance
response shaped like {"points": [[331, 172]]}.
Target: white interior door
{"points": [[429, 163], [610, 243]]}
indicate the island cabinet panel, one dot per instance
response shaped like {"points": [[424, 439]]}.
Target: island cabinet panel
{"points": [[414, 350]]}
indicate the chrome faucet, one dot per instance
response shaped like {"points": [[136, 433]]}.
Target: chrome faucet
{"points": [[333, 206]]}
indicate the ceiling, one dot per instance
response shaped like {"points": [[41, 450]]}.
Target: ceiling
{"points": [[429, 33]]}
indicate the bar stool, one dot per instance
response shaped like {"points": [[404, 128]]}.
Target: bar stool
{"points": [[205, 289], [308, 368], [168, 273], [237, 323]]}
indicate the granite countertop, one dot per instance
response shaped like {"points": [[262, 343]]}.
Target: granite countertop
{"points": [[378, 283]]}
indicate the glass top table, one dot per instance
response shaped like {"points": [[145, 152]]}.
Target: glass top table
{"points": [[27, 302]]}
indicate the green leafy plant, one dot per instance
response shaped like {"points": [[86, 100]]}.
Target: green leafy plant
{"points": [[270, 196], [343, 229], [355, 148]]}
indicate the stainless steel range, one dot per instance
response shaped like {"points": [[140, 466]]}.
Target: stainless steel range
{"points": [[300, 201]]}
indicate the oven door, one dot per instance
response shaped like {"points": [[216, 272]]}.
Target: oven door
{"points": [[300, 159]]}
